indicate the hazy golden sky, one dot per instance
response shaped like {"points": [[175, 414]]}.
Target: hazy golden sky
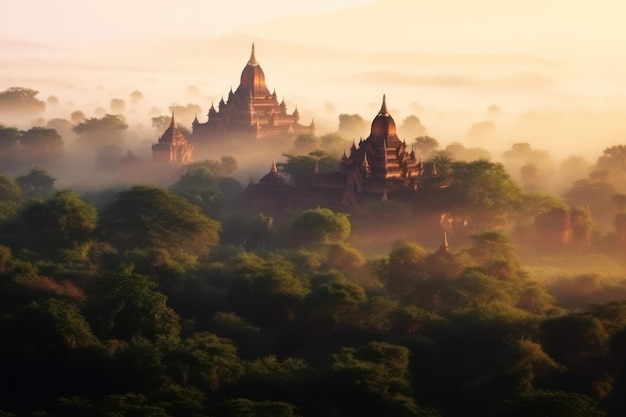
{"points": [[446, 60]]}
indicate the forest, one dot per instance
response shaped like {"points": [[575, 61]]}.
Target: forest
{"points": [[170, 296]]}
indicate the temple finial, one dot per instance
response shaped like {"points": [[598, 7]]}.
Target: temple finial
{"points": [[383, 108], [252, 60], [274, 169], [173, 121]]}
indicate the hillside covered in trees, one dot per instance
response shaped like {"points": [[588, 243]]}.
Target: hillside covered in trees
{"points": [[500, 290], [153, 301]]}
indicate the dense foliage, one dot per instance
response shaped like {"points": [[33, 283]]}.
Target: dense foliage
{"points": [[180, 302]]}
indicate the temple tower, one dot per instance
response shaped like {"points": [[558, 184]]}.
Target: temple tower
{"points": [[250, 112], [172, 146]]}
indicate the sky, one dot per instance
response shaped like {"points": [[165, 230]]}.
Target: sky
{"points": [[545, 63]]}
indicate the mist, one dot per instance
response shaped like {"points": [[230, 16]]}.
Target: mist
{"points": [[547, 112]]}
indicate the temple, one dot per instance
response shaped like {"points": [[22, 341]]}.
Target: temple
{"points": [[250, 112], [271, 192], [172, 146], [381, 164], [378, 168]]}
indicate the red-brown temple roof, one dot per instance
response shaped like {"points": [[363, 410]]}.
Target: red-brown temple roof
{"points": [[383, 124]]}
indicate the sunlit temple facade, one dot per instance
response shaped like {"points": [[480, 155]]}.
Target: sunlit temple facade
{"points": [[381, 164], [250, 112], [172, 146], [379, 167]]}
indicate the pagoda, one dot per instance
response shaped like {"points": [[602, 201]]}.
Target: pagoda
{"points": [[271, 192], [172, 146], [250, 112], [380, 164]]}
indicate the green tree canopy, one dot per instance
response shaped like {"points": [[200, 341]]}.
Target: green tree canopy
{"points": [[41, 144], [9, 151], [227, 165], [596, 195], [37, 183], [108, 123], [150, 217], [206, 361], [199, 186], [56, 324], [107, 130], [402, 273], [64, 221], [302, 167], [319, 226], [484, 191], [128, 306], [9, 189], [425, 145]]}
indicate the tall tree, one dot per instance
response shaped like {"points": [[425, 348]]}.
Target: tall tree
{"points": [[128, 306], [425, 145], [20, 101], [484, 191], [63, 222], [37, 183], [41, 144], [9, 150], [319, 226], [107, 130], [147, 217]]}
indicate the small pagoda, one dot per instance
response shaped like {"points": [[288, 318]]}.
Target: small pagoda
{"points": [[172, 146]]}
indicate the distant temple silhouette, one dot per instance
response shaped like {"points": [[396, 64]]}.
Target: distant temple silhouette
{"points": [[172, 146], [251, 112]]}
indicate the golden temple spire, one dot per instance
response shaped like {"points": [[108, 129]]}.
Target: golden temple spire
{"points": [[252, 60], [173, 121], [383, 108], [274, 169]]}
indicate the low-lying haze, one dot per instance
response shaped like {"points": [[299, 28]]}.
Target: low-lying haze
{"points": [[554, 69]]}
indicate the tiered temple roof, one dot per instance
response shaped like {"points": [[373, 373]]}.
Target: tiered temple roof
{"points": [[379, 168], [172, 146], [381, 163], [272, 189], [250, 112]]}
